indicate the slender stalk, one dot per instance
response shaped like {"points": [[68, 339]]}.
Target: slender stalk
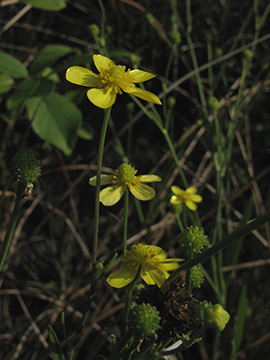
{"points": [[11, 227], [128, 297], [125, 224], [175, 157], [179, 222], [99, 164]]}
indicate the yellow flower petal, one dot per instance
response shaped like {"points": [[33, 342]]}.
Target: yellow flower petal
{"points": [[191, 190], [176, 190], [140, 76], [149, 178], [170, 264], [81, 76], [143, 94], [101, 98], [153, 276], [142, 191], [122, 277], [191, 205], [104, 180], [175, 200], [111, 195], [102, 62], [196, 198]]}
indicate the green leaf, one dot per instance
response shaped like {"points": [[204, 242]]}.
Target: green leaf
{"points": [[55, 120], [6, 83], [241, 318], [11, 66], [27, 89], [56, 351], [48, 56], [240, 323], [50, 5], [86, 132]]}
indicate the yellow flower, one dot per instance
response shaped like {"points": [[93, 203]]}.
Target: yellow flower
{"points": [[122, 179], [189, 197], [111, 80], [152, 263]]}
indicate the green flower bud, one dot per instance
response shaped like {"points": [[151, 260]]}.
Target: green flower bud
{"points": [[25, 167], [143, 320], [247, 54], [215, 317], [202, 307], [197, 277], [150, 17], [176, 38], [214, 104], [171, 101], [130, 106], [218, 52], [94, 29], [192, 240], [209, 37], [135, 60], [109, 29]]}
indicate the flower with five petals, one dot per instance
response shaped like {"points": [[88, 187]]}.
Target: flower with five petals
{"points": [[120, 181], [188, 197], [111, 80], [149, 260]]}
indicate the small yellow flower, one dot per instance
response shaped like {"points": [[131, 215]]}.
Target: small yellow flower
{"points": [[123, 179], [189, 197], [152, 263], [111, 80]]}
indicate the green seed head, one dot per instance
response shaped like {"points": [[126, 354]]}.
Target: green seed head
{"points": [[197, 277], [203, 305], [192, 240], [25, 167], [94, 29], [214, 104], [176, 37], [125, 174], [171, 101], [144, 320], [247, 54]]}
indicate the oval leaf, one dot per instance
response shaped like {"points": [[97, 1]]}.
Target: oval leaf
{"points": [[86, 132], [6, 83], [48, 56], [9, 65], [50, 5], [29, 88], [55, 120]]}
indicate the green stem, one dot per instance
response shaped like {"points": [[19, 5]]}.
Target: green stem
{"points": [[128, 296], [125, 224], [139, 211], [99, 164], [11, 227], [175, 157], [103, 18], [179, 222]]}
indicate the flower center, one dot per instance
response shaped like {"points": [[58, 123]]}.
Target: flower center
{"points": [[124, 174], [116, 78], [139, 254]]}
